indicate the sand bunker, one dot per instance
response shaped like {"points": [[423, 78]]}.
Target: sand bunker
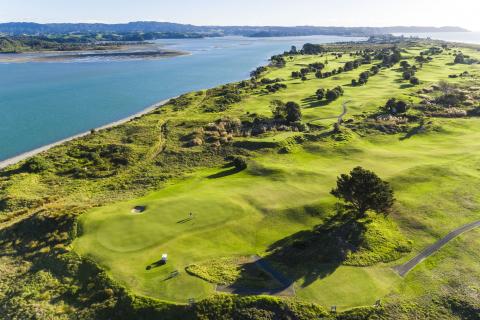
{"points": [[139, 209]]}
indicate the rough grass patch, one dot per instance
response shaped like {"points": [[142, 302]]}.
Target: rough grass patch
{"points": [[223, 271], [382, 242]]}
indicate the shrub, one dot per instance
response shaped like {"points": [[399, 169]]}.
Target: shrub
{"points": [[257, 72], [288, 112], [394, 106], [451, 99], [334, 94], [320, 94], [415, 81], [240, 162], [35, 165], [407, 75], [459, 59]]}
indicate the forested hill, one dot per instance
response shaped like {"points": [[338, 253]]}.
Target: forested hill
{"points": [[16, 28]]}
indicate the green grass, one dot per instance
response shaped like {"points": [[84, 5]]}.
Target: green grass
{"points": [[434, 176], [246, 212], [281, 197]]}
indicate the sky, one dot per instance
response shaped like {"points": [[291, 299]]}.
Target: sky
{"points": [[463, 13]]}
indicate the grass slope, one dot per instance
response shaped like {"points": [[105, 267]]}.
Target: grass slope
{"points": [[434, 175], [77, 198]]}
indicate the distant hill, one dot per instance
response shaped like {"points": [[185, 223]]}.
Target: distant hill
{"points": [[29, 28]]}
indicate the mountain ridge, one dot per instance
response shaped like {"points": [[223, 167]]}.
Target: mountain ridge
{"points": [[32, 28]]}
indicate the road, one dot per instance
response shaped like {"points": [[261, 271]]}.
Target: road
{"points": [[405, 268]]}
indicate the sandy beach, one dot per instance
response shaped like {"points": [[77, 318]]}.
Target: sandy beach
{"points": [[28, 154], [127, 52]]}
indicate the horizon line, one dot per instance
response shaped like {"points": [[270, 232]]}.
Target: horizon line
{"points": [[240, 25]]}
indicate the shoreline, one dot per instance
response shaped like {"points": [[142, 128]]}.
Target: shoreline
{"points": [[23, 156], [77, 56]]}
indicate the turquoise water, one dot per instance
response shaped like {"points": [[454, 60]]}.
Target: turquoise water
{"points": [[41, 103]]}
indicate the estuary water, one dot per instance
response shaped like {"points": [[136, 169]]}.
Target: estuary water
{"points": [[44, 102], [464, 37]]}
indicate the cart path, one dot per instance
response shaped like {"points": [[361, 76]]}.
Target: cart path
{"points": [[339, 117], [287, 289], [405, 268]]}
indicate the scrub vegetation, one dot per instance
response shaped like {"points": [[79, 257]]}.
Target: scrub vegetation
{"points": [[330, 166]]}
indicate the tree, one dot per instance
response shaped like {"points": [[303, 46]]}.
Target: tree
{"points": [[332, 95], [394, 106], [459, 58], [289, 112], [320, 94], [365, 75], [363, 190], [348, 66], [415, 81], [293, 112], [240, 162], [309, 48], [407, 75], [404, 64]]}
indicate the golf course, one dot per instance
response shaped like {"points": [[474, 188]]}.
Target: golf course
{"points": [[240, 214], [240, 200]]}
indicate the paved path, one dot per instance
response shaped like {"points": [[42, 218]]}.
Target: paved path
{"points": [[287, 286], [339, 117], [405, 268]]}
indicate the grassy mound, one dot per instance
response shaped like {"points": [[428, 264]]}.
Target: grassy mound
{"points": [[240, 273], [381, 242], [340, 240], [222, 271]]}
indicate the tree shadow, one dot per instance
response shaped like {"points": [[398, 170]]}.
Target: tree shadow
{"points": [[309, 255], [254, 145], [406, 86], [8, 172], [225, 173], [259, 278], [414, 131], [313, 102]]}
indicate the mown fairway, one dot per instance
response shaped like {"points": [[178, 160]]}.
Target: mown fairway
{"points": [[434, 174]]}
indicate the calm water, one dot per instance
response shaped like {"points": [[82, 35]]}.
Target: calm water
{"points": [[41, 103], [465, 37]]}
